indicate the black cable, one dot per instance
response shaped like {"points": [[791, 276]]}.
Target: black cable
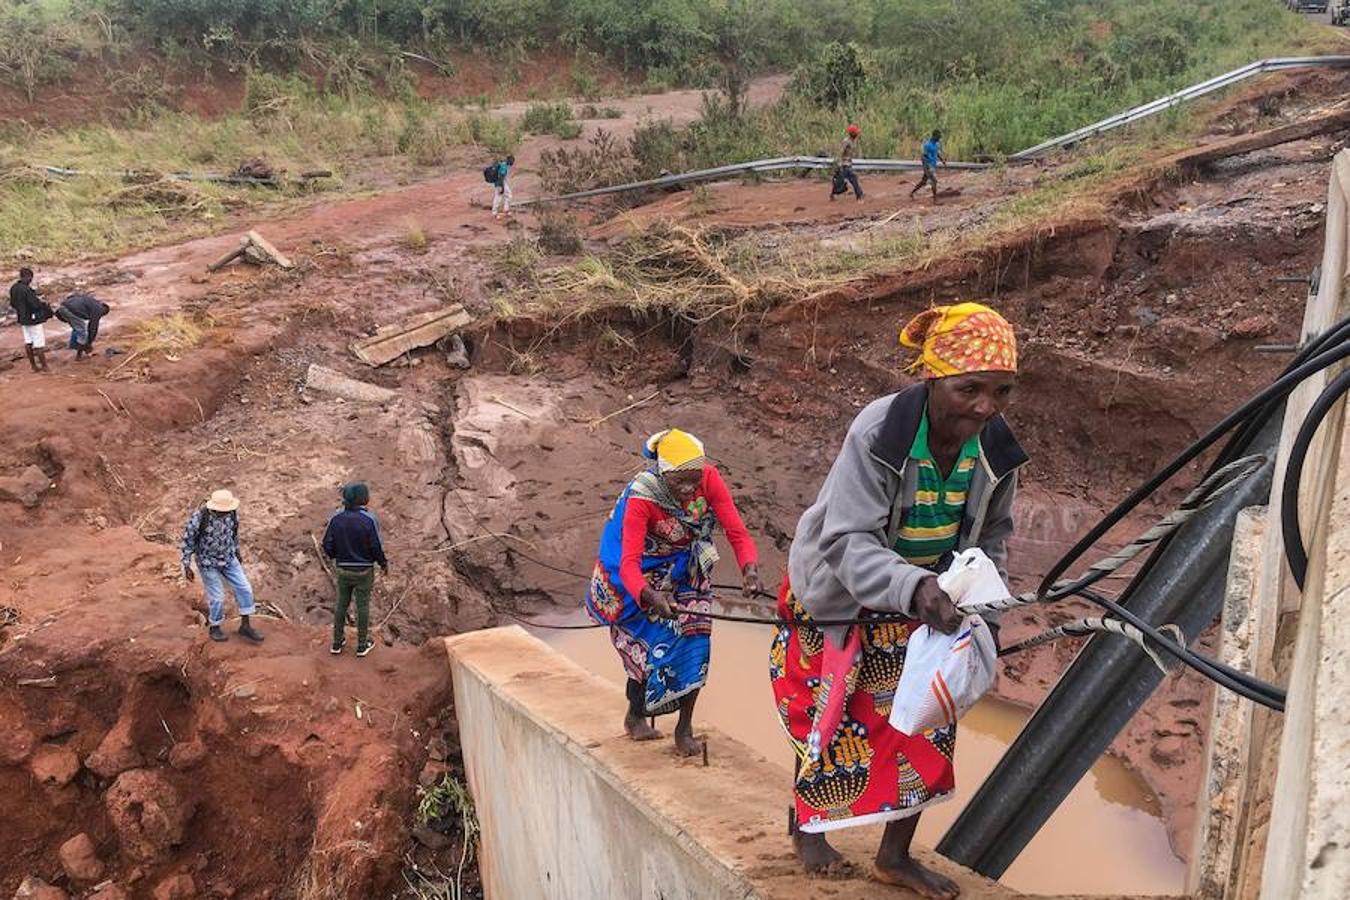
{"points": [[1333, 335], [1257, 691], [1295, 551], [1278, 388]]}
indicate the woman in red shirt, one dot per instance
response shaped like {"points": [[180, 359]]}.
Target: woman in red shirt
{"points": [[656, 554]]}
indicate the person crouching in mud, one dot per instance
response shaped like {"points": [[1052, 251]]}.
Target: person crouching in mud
{"points": [[657, 553], [922, 474]]}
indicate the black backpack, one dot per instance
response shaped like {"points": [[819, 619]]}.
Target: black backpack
{"points": [[490, 173]]}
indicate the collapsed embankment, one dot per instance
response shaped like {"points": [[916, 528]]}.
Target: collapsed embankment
{"points": [[1137, 332]]}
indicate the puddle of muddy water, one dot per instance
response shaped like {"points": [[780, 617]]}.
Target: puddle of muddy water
{"points": [[1108, 837]]}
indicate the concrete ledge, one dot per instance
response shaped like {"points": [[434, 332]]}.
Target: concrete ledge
{"points": [[570, 808]]}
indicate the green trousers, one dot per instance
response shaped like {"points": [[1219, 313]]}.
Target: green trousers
{"points": [[353, 583]]}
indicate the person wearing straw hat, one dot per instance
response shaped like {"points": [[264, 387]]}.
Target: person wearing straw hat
{"points": [[923, 473], [657, 554], [212, 537]]}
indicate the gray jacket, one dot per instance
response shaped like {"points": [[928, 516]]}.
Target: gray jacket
{"points": [[842, 559]]}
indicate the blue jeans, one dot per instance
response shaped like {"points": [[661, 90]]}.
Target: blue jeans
{"points": [[79, 332], [214, 579]]}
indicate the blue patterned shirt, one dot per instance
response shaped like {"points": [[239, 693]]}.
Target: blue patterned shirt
{"points": [[213, 537]]}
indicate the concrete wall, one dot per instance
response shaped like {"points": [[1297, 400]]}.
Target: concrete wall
{"points": [[571, 809], [1281, 831]]}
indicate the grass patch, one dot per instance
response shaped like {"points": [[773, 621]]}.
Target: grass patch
{"points": [[170, 334], [293, 129], [551, 118]]}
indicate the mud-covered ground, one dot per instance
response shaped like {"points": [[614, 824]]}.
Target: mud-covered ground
{"points": [[278, 771]]}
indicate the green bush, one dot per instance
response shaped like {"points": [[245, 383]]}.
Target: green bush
{"points": [[547, 118], [496, 134], [838, 75]]}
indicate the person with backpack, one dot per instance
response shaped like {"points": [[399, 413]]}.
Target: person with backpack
{"points": [[844, 175], [82, 313], [31, 311], [932, 155], [497, 175], [212, 536], [352, 542]]}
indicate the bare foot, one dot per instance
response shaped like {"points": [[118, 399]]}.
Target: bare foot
{"points": [[639, 729], [817, 856], [685, 745], [907, 873]]}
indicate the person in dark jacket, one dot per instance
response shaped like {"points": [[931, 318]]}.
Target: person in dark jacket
{"points": [[352, 541], [82, 313], [32, 312]]}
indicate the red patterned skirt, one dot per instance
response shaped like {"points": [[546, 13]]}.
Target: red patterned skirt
{"points": [[865, 771]]}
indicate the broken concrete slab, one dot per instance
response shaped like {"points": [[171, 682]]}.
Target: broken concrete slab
{"points": [[327, 381], [256, 249], [393, 340]]}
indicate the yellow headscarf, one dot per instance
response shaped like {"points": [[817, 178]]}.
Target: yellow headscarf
{"points": [[960, 339], [675, 450]]}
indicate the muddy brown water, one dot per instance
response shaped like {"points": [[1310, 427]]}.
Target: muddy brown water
{"points": [[1108, 837]]}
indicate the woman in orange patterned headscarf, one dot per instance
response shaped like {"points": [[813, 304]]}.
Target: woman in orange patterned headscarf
{"points": [[922, 474]]}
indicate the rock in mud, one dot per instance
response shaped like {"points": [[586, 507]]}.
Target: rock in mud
{"points": [[116, 753], [16, 741], [55, 765], [149, 814], [34, 888], [1255, 327], [432, 840], [177, 887], [110, 892], [27, 488], [187, 754], [80, 858]]}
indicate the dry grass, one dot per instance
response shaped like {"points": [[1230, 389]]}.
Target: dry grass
{"points": [[705, 275], [169, 334], [414, 236]]}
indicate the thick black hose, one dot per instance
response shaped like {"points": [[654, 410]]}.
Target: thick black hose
{"points": [[1295, 551]]}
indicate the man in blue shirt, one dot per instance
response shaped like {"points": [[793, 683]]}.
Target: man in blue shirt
{"points": [[352, 541], [932, 155]]}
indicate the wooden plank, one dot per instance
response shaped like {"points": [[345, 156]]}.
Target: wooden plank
{"points": [[392, 341], [265, 246], [1336, 120]]}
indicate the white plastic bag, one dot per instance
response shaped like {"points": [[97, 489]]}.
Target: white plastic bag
{"points": [[972, 579], [946, 674]]}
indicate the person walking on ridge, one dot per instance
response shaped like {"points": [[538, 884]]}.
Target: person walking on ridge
{"points": [[844, 176], [932, 155], [352, 541], [501, 188], [212, 536], [31, 312]]}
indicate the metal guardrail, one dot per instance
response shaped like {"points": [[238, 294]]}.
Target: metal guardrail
{"points": [[1138, 113], [778, 164], [1153, 107]]}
